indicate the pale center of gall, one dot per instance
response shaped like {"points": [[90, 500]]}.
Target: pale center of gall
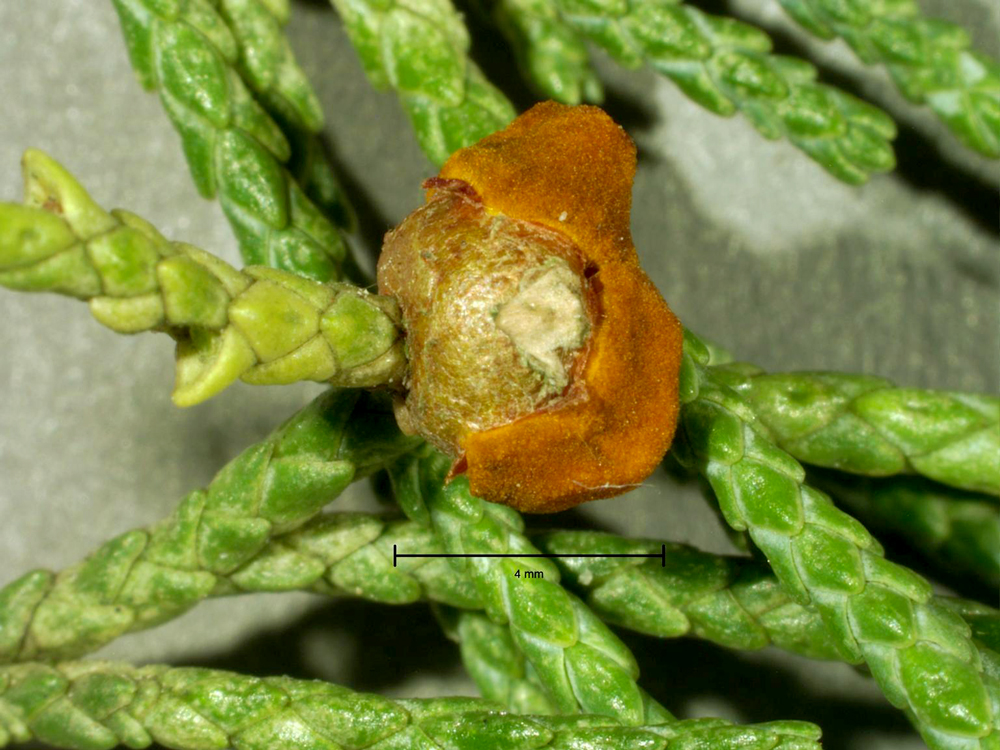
{"points": [[546, 319]]}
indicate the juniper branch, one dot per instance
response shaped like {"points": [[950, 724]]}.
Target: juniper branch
{"points": [[146, 576], [734, 602], [100, 705], [262, 325], [984, 620], [727, 66], [495, 663], [235, 150], [931, 61], [583, 666], [420, 50], [731, 601], [921, 655], [866, 425], [311, 166], [502, 674], [551, 55], [958, 530], [351, 554], [268, 66]]}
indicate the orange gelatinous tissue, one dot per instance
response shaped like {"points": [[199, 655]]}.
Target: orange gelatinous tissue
{"points": [[542, 358]]}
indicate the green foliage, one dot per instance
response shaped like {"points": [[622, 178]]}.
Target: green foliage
{"points": [[551, 55], [268, 67], [420, 50], [263, 325], [98, 706], [734, 602], [581, 663], [731, 601], [147, 576], [985, 624], [723, 65], [958, 530], [930, 60], [866, 425], [727, 66], [234, 148], [879, 611]]}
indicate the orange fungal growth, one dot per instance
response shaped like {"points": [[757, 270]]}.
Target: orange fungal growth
{"points": [[542, 358]]}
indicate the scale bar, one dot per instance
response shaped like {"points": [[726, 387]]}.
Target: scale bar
{"points": [[661, 555]]}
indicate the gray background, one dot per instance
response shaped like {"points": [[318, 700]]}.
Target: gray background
{"points": [[749, 241]]}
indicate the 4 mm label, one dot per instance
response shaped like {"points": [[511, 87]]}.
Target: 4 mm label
{"points": [[529, 574]]}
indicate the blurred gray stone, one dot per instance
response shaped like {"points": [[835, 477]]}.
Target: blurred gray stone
{"points": [[752, 244]]}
